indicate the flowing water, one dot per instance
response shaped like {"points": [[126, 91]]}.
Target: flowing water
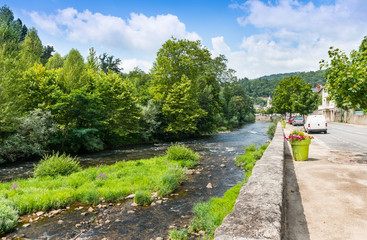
{"points": [[121, 220]]}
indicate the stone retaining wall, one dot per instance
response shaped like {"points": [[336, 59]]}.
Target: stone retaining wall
{"points": [[257, 213]]}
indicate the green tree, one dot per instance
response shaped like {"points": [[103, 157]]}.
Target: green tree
{"points": [[305, 101], [294, 95], [109, 63], [181, 109], [81, 116], [46, 53], [122, 113], [31, 48], [11, 30], [346, 77], [142, 83], [92, 60], [183, 62], [55, 62], [73, 70]]}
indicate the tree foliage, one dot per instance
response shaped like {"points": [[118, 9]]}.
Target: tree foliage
{"points": [[346, 77], [50, 102], [293, 95]]}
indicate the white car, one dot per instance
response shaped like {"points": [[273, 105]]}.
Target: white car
{"points": [[315, 123], [298, 121]]}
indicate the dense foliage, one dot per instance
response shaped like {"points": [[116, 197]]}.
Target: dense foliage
{"points": [[55, 165], [265, 86], [347, 78], [66, 104], [293, 95], [8, 216]]}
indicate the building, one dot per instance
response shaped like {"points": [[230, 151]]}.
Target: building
{"points": [[328, 107]]}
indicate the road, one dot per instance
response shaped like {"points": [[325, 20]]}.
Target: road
{"points": [[327, 195], [344, 137]]}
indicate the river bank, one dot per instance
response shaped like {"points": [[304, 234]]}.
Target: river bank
{"points": [[175, 211]]}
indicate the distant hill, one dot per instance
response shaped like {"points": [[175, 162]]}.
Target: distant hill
{"points": [[264, 86]]}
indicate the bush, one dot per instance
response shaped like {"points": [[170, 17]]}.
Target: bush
{"points": [[178, 152], [271, 129], [54, 165], [178, 234], [169, 183], [8, 216], [143, 198], [31, 138], [250, 148]]}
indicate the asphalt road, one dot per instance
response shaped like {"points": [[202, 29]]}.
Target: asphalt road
{"points": [[344, 137]]}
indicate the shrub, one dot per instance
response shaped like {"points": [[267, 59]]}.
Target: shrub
{"points": [[178, 152], [271, 130], [177, 171], [250, 148], [178, 234], [143, 198], [54, 165], [31, 138], [169, 183], [8, 216]]}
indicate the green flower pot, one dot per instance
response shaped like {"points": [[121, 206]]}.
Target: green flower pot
{"points": [[283, 124], [300, 149]]}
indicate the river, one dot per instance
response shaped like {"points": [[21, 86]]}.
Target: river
{"points": [[117, 221]]}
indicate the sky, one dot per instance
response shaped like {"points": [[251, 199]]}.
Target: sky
{"points": [[258, 37]]}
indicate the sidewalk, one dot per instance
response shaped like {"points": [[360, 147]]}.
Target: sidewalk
{"points": [[325, 200]]}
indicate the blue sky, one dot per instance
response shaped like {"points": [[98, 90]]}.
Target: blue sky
{"points": [[258, 37]]}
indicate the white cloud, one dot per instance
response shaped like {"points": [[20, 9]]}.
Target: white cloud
{"points": [[139, 32], [295, 36], [129, 65]]}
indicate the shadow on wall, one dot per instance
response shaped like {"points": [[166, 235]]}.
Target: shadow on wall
{"points": [[295, 221]]}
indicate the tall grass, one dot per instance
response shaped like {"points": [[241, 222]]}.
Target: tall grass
{"points": [[178, 234], [110, 183], [185, 156], [54, 165], [209, 215]]}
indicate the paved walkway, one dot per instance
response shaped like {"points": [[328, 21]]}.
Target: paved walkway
{"points": [[326, 198]]}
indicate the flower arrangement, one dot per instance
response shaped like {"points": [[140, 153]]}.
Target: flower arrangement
{"points": [[298, 136]]}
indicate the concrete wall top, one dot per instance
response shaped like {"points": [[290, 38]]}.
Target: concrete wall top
{"points": [[257, 213]]}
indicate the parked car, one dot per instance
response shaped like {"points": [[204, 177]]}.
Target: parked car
{"points": [[315, 123], [298, 121]]}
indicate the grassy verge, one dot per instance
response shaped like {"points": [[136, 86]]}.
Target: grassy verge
{"points": [[209, 215], [52, 190]]}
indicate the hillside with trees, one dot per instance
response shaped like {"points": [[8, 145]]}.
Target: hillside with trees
{"points": [[265, 86]]}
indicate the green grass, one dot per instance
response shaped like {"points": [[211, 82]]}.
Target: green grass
{"points": [[178, 152], [54, 165], [112, 183], [209, 215], [252, 154], [178, 234], [143, 198]]}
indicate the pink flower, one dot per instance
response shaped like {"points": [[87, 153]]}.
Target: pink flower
{"points": [[15, 186]]}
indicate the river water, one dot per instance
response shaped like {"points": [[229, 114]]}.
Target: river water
{"points": [[117, 221]]}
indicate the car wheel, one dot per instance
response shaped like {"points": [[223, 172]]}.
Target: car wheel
{"points": [[308, 131], [325, 132]]}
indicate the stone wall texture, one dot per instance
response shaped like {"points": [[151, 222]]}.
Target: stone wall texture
{"points": [[257, 213]]}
